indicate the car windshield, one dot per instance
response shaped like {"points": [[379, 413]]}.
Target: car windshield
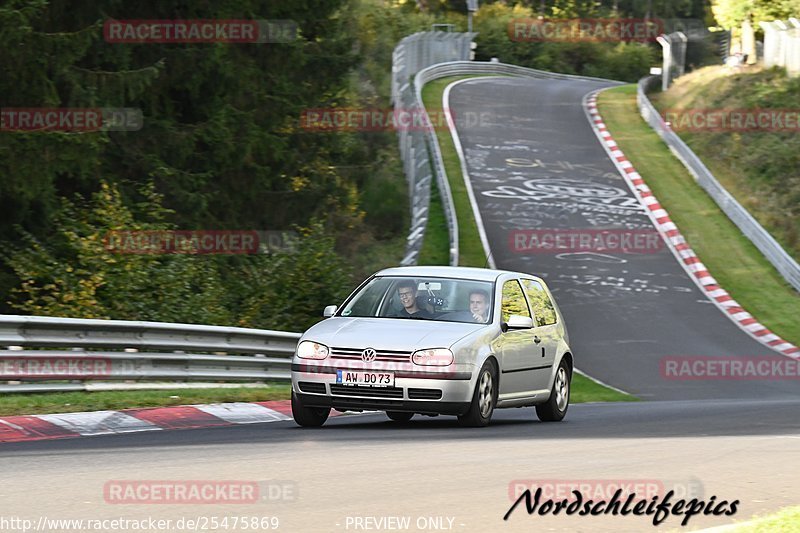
{"points": [[440, 299]]}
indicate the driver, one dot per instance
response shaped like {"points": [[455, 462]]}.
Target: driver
{"points": [[407, 292]]}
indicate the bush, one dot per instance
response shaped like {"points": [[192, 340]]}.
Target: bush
{"points": [[618, 61], [289, 290], [73, 273]]}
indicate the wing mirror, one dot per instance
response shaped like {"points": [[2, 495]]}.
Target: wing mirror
{"points": [[329, 311], [517, 322]]}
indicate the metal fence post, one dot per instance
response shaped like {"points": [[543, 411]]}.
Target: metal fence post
{"points": [[412, 55]]}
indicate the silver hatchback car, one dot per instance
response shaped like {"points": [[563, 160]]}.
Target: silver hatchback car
{"points": [[436, 340]]}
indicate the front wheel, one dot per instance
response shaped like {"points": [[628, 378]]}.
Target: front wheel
{"points": [[483, 400], [310, 417], [554, 409]]}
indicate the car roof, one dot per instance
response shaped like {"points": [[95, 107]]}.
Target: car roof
{"points": [[482, 274]]}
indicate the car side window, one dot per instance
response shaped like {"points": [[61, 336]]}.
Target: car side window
{"points": [[513, 300], [540, 302]]}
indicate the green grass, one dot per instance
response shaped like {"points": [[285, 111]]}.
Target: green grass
{"points": [[470, 249], [730, 257], [784, 521], [585, 390], [436, 242], [69, 402]]}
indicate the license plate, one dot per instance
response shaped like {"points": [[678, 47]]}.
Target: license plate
{"points": [[366, 379]]}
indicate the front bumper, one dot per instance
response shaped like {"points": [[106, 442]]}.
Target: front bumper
{"points": [[440, 392]]}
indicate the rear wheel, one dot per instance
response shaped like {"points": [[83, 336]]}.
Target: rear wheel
{"points": [[483, 400], [308, 416], [399, 416], [554, 409]]}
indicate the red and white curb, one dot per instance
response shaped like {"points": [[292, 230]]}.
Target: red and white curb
{"points": [[70, 425], [680, 248]]}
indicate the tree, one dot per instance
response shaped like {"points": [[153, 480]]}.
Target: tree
{"points": [[74, 273], [731, 13]]}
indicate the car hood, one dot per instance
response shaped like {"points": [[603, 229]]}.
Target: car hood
{"points": [[388, 333]]}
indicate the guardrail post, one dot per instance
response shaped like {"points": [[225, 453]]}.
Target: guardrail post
{"points": [[412, 55]]}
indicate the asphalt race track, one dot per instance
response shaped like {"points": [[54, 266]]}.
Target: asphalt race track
{"points": [[534, 162]]}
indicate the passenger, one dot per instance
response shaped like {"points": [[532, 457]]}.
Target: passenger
{"points": [[479, 305]]}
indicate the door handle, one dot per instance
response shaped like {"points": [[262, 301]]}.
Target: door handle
{"points": [[536, 339]]}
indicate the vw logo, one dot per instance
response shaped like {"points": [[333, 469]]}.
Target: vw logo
{"points": [[368, 355]]}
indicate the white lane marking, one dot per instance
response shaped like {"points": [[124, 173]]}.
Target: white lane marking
{"points": [[242, 413], [465, 172], [612, 387], [99, 423]]}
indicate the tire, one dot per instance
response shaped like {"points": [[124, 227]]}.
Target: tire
{"points": [[308, 417], [399, 416], [484, 399], [554, 409]]}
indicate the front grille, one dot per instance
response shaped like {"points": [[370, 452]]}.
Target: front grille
{"points": [[357, 390], [314, 388], [381, 355], [424, 394]]}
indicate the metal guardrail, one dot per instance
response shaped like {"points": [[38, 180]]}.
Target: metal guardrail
{"points": [[47, 353], [775, 254], [411, 55]]}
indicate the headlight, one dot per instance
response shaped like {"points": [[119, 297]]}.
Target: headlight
{"points": [[433, 357], [312, 350]]}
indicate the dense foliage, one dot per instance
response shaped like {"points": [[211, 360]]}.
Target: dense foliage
{"points": [[731, 13], [221, 148]]}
